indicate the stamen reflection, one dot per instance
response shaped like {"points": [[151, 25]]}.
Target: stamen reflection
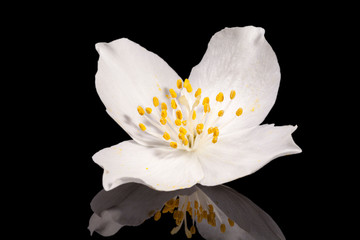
{"points": [[217, 212]]}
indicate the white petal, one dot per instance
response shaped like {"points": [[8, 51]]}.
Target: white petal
{"points": [[130, 204], [164, 169], [240, 59], [242, 153], [251, 222], [103, 224], [130, 76]]}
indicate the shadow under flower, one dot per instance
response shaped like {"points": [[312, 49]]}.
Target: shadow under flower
{"points": [[217, 212]]}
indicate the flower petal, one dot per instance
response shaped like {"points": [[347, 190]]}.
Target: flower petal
{"points": [[129, 76], [240, 59], [164, 169], [242, 153], [251, 222], [127, 205], [103, 224]]}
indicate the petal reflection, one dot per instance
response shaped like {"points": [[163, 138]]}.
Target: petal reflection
{"points": [[217, 212]]}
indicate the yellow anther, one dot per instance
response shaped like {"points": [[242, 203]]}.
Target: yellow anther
{"points": [[192, 229], [163, 106], [173, 93], [157, 216], [214, 140], [231, 222], [198, 92], [239, 112], [142, 126], [187, 85], [210, 130], [148, 110], [193, 115], [166, 136], [173, 144], [140, 110], [179, 114], [199, 128], [163, 121], [179, 83], [206, 100], [184, 122], [211, 208], [206, 108], [185, 141], [220, 97], [221, 113], [176, 214], [177, 122], [182, 130], [173, 104], [216, 131], [196, 204], [170, 203], [222, 228], [232, 94], [181, 136], [155, 101], [163, 113]]}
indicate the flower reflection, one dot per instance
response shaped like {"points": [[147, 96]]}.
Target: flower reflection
{"points": [[217, 212]]}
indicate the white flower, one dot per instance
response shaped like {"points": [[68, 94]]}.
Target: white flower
{"points": [[204, 129], [217, 212]]}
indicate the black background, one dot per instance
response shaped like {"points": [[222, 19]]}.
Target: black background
{"points": [[66, 122]]}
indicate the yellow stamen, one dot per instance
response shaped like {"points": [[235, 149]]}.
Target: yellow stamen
{"points": [[179, 83], [177, 122], [206, 100], [192, 229], [232, 94], [140, 110], [196, 204], [214, 140], [173, 144], [231, 222], [210, 130], [163, 121], [157, 216], [184, 122], [222, 228], [173, 104], [216, 131], [155, 101], [182, 130], [148, 110], [221, 113], [193, 115], [142, 126], [198, 92], [163, 113], [220, 97], [173, 93], [211, 208], [239, 112], [163, 106], [166, 136], [199, 128], [181, 136], [187, 85], [185, 141], [206, 108], [179, 114]]}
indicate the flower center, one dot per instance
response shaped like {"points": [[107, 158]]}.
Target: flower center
{"points": [[186, 124], [198, 207]]}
